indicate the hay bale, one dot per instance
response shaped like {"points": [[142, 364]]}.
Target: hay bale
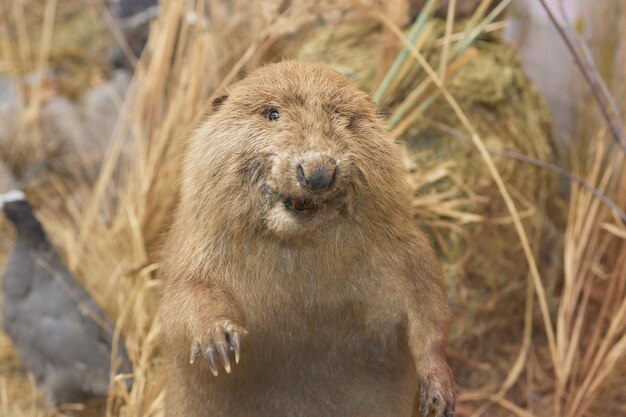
{"points": [[503, 106]]}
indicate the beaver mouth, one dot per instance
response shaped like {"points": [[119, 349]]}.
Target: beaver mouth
{"points": [[300, 205]]}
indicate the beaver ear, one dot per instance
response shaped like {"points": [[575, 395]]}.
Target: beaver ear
{"points": [[217, 101]]}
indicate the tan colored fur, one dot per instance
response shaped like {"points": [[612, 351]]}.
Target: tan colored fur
{"points": [[343, 312]]}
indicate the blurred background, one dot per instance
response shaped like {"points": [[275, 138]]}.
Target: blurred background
{"points": [[517, 174]]}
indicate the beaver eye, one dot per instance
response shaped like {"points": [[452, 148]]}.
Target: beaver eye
{"points": [[272, 114]]}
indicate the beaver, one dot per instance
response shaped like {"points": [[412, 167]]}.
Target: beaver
{"points": [[296, 280]]}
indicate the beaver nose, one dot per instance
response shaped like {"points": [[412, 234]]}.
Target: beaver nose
{"points": [[317, 173]]}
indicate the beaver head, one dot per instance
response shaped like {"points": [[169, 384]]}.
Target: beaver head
{"points": [[294, 148]]}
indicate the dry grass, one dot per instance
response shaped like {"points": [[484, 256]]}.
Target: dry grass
{"points": [[110, 231], [591, 316]]}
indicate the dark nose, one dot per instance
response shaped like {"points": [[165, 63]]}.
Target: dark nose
{"points": [[317, 173]]}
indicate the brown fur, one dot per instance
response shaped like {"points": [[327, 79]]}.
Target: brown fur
{"points": [[342, 311]]}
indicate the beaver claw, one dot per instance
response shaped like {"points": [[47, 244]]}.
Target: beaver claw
{"points": [[222, 337], [437, 400]]}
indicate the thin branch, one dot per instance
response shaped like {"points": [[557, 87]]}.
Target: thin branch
{"points": [[583, 64], [604, 199], [563, 172], [590, 62]]}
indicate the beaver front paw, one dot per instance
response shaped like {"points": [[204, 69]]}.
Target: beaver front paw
{"points": [[436, 399], [222, 336]]}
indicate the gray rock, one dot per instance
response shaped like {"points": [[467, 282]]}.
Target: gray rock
{"points": [[62, 335], [100, 108], [74, 134]]}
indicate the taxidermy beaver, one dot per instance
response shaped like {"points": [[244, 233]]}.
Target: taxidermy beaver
{"points": [[297, 283]]}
